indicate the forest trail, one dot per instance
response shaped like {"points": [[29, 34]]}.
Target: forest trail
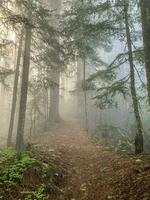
{"points": [[93, 172]]}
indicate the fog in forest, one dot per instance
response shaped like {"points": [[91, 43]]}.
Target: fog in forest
{"points": [[74, 99]]}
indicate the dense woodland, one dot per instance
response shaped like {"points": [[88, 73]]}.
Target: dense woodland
{"points": [[74, 97]]}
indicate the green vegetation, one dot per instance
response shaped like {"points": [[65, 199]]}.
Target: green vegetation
{"points": [[39, 194], [26, 175], [114, 137], [12, 174]]}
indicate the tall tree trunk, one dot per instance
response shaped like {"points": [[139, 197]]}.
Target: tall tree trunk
{"points": [[85, 94], [145, 16], [54, 115], [139, 135], [31, 124], [15, 89], [34, 121], [54, 98], [79, 92], [24, 89], [46, 108]]}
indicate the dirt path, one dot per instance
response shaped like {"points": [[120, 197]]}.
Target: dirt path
{"points": [[92, 172]]}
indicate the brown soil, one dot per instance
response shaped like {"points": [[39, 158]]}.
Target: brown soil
{"points": [[95, 173]]}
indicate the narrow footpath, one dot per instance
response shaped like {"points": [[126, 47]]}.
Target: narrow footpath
{"points": [[95, 173]]}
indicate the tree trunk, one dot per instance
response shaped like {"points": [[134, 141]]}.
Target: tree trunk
{"points": [[139, 135], [54, 115], [24, 89], [34, 121], [46, 108], [145, 16], [85, 94], [31, 124], [54, 98], [15, 89], [79, 92]]}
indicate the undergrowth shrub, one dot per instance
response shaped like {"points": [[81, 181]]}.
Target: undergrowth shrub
{"points": [[114, 137]]}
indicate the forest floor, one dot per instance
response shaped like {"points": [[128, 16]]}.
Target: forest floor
{"points": [[65, 164], [96, 173]]}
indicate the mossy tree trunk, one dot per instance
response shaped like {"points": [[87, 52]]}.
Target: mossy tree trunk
{"points": [[24, 88], [54, 115], [85, 94], [15, 90], [139, 135], [145, 16]]}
